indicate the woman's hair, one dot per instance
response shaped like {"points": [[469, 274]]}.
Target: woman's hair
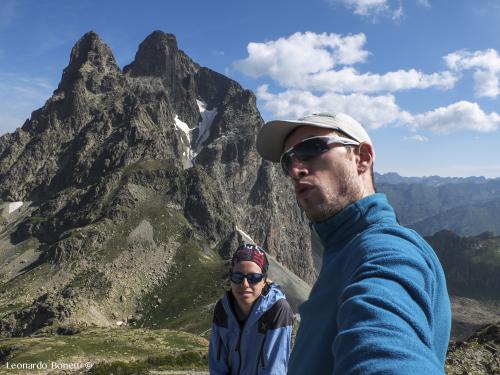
{"points": [[252, 253]]}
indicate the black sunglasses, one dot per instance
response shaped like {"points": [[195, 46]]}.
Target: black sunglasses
{"points": [[310, 148], [253, 278]]}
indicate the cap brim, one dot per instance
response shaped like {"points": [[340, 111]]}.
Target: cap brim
{"points": [[272, 136]]}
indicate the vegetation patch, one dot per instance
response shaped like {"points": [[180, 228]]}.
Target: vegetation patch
{"points": [[91, 282], [148, 165], [168, 224], [185, 299], [179, 361], [117, 351]]}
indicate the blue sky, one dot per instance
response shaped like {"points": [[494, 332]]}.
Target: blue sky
{"points": [[423, 76]]}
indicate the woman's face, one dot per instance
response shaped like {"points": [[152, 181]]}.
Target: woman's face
{"points": [[246, 293]]}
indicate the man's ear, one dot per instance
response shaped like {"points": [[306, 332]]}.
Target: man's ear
{"points": [[366, 156]]}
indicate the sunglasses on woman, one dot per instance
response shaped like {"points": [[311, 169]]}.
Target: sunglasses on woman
{"points": [[252, 278], [310, 148]]}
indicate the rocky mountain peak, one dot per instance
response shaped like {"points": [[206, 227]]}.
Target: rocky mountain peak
{"points": [[91, 59], [159, 38], [90, 48], [158, 56]]}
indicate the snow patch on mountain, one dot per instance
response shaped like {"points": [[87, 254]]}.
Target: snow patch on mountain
{"points": [[13, 206], [188, 152], [207, 118]]}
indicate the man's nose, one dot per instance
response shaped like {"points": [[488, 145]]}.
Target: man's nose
{"points": [[297, 169]]}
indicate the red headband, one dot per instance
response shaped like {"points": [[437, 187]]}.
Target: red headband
{"points": [[251, 253]]}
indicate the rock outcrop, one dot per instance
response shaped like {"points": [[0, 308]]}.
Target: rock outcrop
{"points": [[476, 355]]}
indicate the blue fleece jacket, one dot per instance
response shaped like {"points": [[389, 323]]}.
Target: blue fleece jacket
{"points": [[261, 345], [380, 303]]}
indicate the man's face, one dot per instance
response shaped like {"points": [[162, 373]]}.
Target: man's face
{"points": [[327, 183]]}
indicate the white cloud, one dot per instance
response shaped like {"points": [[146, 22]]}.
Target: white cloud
{"points": [[366, 7], [485, 65], [378, 111], [486, 83], [377, 9], [459, 116], [418, 138], [372, 111], [398, 13], [373, 9], [424, 3], [464, 59], [289, 60], [307, 61], [317, 74], [350, 80], [19, 96]]}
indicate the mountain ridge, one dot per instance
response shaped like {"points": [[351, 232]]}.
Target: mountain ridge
{"points": [[120, 170], [434, 180], [466, 206]]}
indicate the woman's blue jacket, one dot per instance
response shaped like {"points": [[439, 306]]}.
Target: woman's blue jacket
{"points": [[261, 345]]}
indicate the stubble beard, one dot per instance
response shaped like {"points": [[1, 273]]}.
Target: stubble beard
{"points": [[334, 202]]}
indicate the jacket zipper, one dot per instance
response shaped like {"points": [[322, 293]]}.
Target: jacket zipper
{"points": [[262, 352], [219, 348], [261, 356], [242, 329], [238, 349]]}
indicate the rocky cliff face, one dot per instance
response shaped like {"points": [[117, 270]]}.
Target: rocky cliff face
{"points": [[122, 175]]}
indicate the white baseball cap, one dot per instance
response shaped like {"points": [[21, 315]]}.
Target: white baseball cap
{"points": [[272, 136]]}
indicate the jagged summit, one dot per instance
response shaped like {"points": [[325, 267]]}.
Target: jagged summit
{"points": [[91, 59], [157, 56], [90, 48]]}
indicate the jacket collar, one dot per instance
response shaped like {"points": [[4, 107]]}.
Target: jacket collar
{"points": [[261, 305], [335, 232]]}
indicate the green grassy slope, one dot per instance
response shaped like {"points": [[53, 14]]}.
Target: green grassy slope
{"points": [[115, 351]]}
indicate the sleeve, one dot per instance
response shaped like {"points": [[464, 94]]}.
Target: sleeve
{"points": [[275, 350], [217, 350], [385, 316], [217, 354]]}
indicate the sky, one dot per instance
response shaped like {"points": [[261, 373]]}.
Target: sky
{"points": [[422, 76]]}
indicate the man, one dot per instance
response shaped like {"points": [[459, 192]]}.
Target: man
{"points": [[380, 303]]}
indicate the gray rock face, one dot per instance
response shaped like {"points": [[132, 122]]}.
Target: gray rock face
{"points": [[164, 139]]}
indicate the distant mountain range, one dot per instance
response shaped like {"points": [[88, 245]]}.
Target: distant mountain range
{"points": [[466, 206], [394, 178]]}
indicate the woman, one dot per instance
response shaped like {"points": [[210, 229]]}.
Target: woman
{"points": [[252, 323]]}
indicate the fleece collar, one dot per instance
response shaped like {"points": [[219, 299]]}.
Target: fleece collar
{"points": [[335, 232]]}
